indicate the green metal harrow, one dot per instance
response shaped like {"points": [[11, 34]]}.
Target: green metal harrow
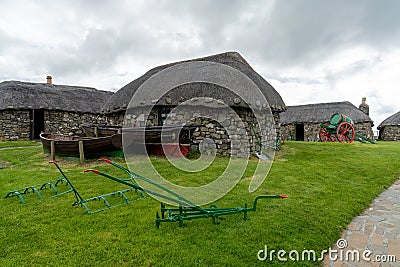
{"points": [[186, 209], [54, 185]]}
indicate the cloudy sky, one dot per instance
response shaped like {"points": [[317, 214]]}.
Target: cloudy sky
{"points": [[311, 51]]}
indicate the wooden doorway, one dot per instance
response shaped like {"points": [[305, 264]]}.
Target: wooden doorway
{"points": [[37, 123], [299, 132]]}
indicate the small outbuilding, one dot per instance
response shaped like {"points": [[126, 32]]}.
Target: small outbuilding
{"points": [[302, 123], [27, 109], [118, 103], [389, 129]]}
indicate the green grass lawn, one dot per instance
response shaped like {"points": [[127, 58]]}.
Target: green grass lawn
{"points": [[327, 183], [18, 144]]}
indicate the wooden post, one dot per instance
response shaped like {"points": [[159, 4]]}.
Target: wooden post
{"points": [[52, 151], [96, 132], [81, 152]]}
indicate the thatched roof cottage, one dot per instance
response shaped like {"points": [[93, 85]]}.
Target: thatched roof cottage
{"points": [[389, 129], [26, 109], [118, 103], [302, 122]]}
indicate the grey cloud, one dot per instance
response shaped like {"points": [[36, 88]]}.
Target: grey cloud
{"points": [[351, 69], [294, 79], [304, 32]]}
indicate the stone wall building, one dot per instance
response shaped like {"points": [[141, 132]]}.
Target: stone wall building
{"points": [[27, 109], [302, 123], [389, 129], [215, 97]]}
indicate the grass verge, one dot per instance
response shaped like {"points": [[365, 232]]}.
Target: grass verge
{"points": [[328, 184]]}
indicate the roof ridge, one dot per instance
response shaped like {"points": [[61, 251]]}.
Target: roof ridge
{"points": [[28, 95], [46, 84], [393, 119], [323, 103], [231, 54]]}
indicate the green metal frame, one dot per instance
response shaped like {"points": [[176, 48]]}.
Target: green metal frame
{"points": [[71, 188], [183, 213], [83, 202], [186, 209], [364, 139], [54, 185]]}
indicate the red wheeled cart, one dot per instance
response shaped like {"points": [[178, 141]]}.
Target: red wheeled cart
{"points": [[340, 128]]}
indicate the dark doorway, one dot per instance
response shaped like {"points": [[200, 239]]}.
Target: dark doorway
{"points": [[163, 114], [299, 132], [37, 120]]}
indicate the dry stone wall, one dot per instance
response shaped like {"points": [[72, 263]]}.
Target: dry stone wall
{"points": [[311, 131], [215, 127], [14, 125], [365, 129], [68, 123], [390, 133]]}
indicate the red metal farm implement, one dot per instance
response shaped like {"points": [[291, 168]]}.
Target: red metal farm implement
{"points": [[340, 128]]}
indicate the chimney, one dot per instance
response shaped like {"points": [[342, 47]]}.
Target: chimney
{"points": [[49, 80], [363, 106]]}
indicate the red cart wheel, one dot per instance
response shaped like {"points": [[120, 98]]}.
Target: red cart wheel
{"points": [[325, 136], [345, 132]]}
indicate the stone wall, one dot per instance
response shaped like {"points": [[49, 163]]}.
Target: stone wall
{"points": [[212, 125], [15, 125], [365, 129], [311, 131], [390, 133], [68, 123]]}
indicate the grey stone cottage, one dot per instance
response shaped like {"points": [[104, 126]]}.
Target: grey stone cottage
{"points": [[301, 123], [117, 104], [27, 109], [389, 129]]}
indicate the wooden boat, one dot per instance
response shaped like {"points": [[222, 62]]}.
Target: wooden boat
{"points": [[69, 145], [99, 130], [175, 140]]}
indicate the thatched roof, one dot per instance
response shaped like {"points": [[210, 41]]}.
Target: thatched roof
{"points": [[322, 112], [392, 120], [120, 100], [25, 95]]}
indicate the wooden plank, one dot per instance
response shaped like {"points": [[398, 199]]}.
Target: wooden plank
{"points": [[52, 151], [96, 131], [81, 152]]}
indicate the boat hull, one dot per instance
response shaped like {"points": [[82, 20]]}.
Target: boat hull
{"points": [[69, 145]]}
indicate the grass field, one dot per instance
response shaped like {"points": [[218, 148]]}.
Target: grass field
{"points": [[327, 183]]}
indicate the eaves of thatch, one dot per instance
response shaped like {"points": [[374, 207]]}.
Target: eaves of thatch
{"points": [[120, 100], [321, 113], [393, 120], [25, 95]]}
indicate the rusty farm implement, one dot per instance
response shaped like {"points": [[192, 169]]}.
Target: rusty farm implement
{"points": [[186, 209], [340, 128], [55, 185]]}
